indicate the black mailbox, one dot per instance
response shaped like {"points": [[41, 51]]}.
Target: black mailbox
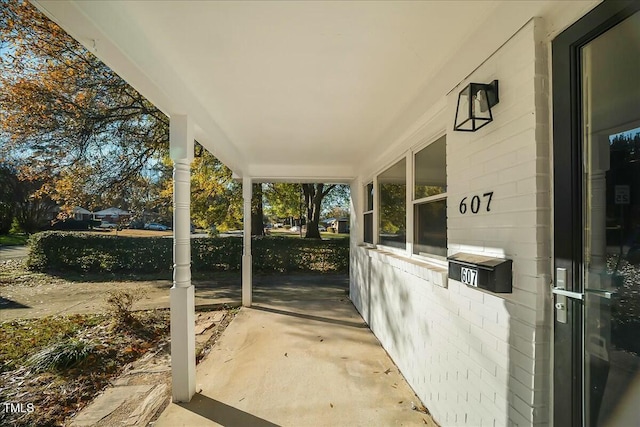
{"points": [[479, 271]]}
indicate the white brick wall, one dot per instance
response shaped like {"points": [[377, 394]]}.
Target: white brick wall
{"points": [[509, 157], [476, 358]]}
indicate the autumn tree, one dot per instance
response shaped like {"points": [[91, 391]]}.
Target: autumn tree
{"points": [[22, 201], [283, 199], [34, 208], [76, 126], [257, 210], [337, 203], [8, 184], [216, 198], [313, 196], [88, 137], [310, 200]]}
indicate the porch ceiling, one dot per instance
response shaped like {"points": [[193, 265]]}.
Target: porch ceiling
{"points": [[291, 90]]}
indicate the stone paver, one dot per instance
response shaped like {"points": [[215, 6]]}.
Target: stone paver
{"points": [[108, 402], [144, 389]]}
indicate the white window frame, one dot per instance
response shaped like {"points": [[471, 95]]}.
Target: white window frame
{"points": [[371, 212]]}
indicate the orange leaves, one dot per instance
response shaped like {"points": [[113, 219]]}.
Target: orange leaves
{"points": [[61, 108], [80, 98]]}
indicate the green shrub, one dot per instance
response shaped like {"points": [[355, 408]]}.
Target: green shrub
{"points": [[60, 355], [282, 254], [80, 252], [88, 253]]}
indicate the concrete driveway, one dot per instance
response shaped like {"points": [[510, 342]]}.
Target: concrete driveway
{"points": [[302, 356], [13, 252]]}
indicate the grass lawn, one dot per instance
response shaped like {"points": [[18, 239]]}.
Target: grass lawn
{"points": [[13, 239], [281, 232], [326, 235], [129, 232]]}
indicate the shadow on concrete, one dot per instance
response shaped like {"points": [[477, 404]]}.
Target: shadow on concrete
{"points": [[218, 289], [223, 414], [322, 296], [162, 276], [10, 304], [311, 317]]}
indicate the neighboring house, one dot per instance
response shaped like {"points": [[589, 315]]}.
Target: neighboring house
{"points": [[81, 214], [113, 215], [340, 225], [540, 200]]}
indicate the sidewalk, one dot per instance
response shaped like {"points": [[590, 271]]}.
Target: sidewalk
{"points": [[13, 252], [302, 356]]}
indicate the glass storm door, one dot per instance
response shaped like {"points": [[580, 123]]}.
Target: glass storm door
{"points": [[597, 219]]}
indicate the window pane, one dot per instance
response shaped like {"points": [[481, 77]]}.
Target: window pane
{"points": [[430, 170], [393, 211], [368, 228], [369, 195], [430, 224]]}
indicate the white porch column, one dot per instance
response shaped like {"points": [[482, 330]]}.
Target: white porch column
{"points": [[183, 355], [247, 285]]}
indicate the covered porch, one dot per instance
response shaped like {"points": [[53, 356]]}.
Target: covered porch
{"points": [[365, 93], [301, 355], [283, 92]]}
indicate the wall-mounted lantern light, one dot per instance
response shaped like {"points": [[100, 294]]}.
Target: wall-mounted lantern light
{"points": [[474, 106]]}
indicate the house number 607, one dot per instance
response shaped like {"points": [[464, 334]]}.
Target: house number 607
{"points": [[474, 204]]}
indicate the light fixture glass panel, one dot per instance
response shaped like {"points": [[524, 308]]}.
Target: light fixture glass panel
{"points": [[474, 106], [463, 112], [481, 109]]}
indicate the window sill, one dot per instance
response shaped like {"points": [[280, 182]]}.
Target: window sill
{"points": [[435, 274]]}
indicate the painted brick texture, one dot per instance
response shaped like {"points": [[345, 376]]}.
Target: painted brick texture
{"points": [[476, 358]]}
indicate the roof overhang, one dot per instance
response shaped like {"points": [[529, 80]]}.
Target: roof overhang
{"points": [[297, 91]]}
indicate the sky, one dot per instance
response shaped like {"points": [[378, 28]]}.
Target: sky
{"points": [[627, 134]]}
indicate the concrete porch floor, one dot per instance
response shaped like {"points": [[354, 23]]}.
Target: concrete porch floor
{"points": [[302, 356]]}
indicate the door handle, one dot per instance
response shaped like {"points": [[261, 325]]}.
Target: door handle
{"points": [[561, 285], [561, 294], [562, 291], [602, 293]]}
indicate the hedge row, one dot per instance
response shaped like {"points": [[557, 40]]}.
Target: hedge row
{"points": [[79, 252]]}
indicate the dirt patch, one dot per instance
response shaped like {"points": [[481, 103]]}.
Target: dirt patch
{"points": [[26, 294], [126, 232]]}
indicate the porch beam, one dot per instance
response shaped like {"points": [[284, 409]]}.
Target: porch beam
{"points": [[183, 356], [247, 279]]}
